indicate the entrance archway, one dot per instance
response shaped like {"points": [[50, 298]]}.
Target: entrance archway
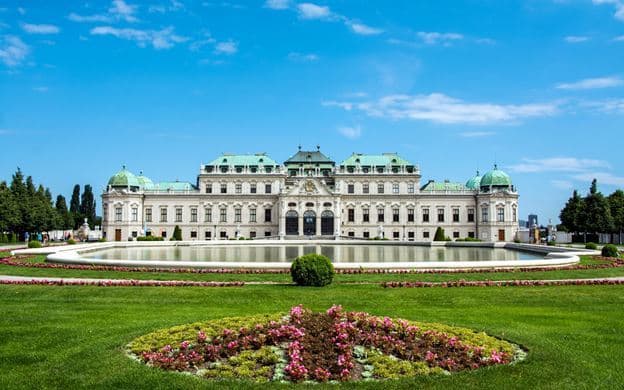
{"points": [[309, 223], [327, 223], [292, 223]]}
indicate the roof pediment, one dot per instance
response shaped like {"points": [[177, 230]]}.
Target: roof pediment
{"points": [[309, 186]]}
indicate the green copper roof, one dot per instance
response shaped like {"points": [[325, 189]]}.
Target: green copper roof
{"points": [[145, 182], [309, 157], [124, 178], [244, 160], [496, 178], [475, 182], [375, 160], [443, 186], [174, 186]]}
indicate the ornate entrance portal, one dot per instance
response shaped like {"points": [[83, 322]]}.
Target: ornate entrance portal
{"points": [[292, 223], [309, 223], [327, 223]]}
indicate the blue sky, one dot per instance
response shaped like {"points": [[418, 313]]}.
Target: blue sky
{"points": [[454, 86]]}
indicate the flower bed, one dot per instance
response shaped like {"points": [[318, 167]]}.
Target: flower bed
{"points": [[320, 347], [118, 283], [507, 283]]}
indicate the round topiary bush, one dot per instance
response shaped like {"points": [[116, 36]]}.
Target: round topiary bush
{"points": [[591, 245], [34, 244], [610, 250], [312, 270]]}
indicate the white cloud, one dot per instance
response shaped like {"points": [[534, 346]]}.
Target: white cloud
{"points": [[13, 51], [40, 28], [439, 108], [610, 106], [123, 11], [227, 47], [601, 82], [477, 134], [602, 177], [619, 38], [277, 4], [558, 164], [434, 38], [618, 4], [21, 11], [363, 29], [162, 39], [89, 18], [313, 11], [300, 57], [173, 6], [351, 132], [196, 45], [576, 39]]}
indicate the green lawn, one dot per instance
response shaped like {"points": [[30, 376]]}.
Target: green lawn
{"points": [[73, 337]]}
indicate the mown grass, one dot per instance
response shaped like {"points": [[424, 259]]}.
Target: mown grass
{"points": [[74, 337]]}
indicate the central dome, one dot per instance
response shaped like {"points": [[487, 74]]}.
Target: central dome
{"points": [[475, 182], [124, 178], [495, 179]]}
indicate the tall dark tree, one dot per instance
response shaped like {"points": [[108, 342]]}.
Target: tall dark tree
{"points": [[74, 207], [596, 214], [572, 214], [87, 205], [9, 212], [64, 220], [616, 205]]}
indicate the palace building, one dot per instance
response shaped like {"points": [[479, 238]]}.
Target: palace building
{"points": [[311, 196]]}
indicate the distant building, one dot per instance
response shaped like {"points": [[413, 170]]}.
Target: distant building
{"points": [[364, 196], [533, 222], [523, 224]]}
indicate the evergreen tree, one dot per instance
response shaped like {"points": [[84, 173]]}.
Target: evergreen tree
{"points": [[439, 235], [616, 206], [87, 205], [177, 234], [596, 214], [74, 207], [65, 220], [572, 213], [9, 212]]}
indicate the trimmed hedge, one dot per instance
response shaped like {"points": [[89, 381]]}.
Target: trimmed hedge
{"points": [[150, 238], [591, 245], [34, 244], [610, 250], [312, 270]]}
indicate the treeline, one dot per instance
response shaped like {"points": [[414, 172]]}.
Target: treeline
{"points": [[594, 213], [25, 207]]}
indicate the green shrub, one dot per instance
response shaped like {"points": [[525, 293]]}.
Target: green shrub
{"points": [[610, 250], [34, 244], [102, 240], [13, 239], [312, 270], [439, 235], [150, 238], [4, 239], [177, 234], [551, 243], [591, 245], [71, 241]]}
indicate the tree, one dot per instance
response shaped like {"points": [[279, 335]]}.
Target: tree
{"points": [[64, 220], [9, 212], [596, 214], [177, 234], [439, 235], [572, 213], [87, 205], [616, 206], [74, 207]]}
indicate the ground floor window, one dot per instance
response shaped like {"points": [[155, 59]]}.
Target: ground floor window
{"points": [[351, 234], [208, 235], [252, 234], [163, 234], [455, 234], [425, 234], [471, 234], [410, 236], [135, 234], [193, 234], [396, 235], [267, 234], [223, 235], [366, 235]]}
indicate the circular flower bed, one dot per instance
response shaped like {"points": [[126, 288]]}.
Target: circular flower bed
{"points": [[320, 347]]}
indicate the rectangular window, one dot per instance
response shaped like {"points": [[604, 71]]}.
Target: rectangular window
{"points": [[425, 215], [471, 215], [253, 188], [351, 234], [268, 188], [267, 215], [380, 215], [351, 188], [410, 188], [135, 214], [395, 188], [252, 234], [485, 215], [514, 214], [471, 234], [440, 215], [223, 235], [193, 234], [163, 234], [366, 188], [425, 234], [148, 215], [209, 188], [163, 215], [193, 214], [239, 188], [208, 235], [178, 217], [351, 215], [396, 235], [223, 215], [410, 236], [455, 234], [223, 188], [455, 215], [208, 216], [410, 215], [395, 215], [237, 215], [118, 214], [366, 235], [380, 188], [135, 234], [252, 215], [365, 215], [500, 214], [267, 233]]}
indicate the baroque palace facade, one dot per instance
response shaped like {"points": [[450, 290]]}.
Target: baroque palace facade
{"points": [[365, 196]]}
